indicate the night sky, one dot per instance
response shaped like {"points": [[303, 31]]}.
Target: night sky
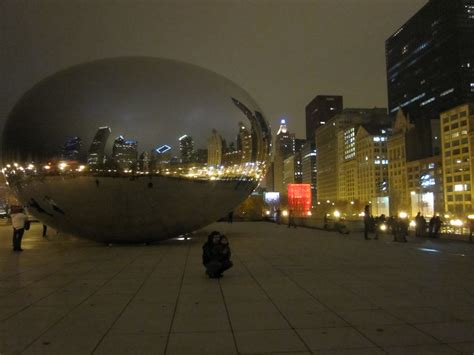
{"points": [[282, 52]]}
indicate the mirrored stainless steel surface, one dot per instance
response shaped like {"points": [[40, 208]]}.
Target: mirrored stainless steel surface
{"points": [[134, 148]]}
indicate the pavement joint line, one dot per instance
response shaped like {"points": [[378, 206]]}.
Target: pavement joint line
{"points": [[228, 317], [77, 306], [38, 300], [324, 305], [274, 304], [126, 305], [177, 299]]}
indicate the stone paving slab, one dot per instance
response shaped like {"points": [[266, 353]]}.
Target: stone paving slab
{"points": [[291, 291]]}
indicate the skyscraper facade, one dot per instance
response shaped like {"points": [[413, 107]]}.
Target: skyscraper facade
{"points": [[284, 147], [125, 152], [430, 60], [320, 110], [215, 149], [458, 162], [96, 154], [186, 148], [335, 145]]}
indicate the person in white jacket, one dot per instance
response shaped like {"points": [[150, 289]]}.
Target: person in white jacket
{"points": [[19, 220]]}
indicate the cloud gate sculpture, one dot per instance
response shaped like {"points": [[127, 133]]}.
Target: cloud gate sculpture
{"points": [[134, 149]]}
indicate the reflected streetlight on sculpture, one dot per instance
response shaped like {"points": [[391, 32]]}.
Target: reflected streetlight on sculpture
{"points": [[134, 149]]}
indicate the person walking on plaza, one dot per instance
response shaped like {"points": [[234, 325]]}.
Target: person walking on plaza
{"points": [[418, 224], [19, 220], [277, 216], [437, 226], [230, 217], [291, 219], [431, 224], [367, 221], [45, 230]]}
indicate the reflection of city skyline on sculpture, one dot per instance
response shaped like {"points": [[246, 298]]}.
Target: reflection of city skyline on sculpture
{"points": [[246, 156], [134, 149]]}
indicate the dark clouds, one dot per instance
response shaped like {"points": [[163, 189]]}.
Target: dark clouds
{"points": [[282, 52]]}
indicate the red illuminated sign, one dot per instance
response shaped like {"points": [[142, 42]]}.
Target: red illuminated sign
{"points": [[299, 198]]}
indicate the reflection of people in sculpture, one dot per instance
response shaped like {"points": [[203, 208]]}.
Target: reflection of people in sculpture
{"points": [[33, 203], [53, 204], [216, 255]]}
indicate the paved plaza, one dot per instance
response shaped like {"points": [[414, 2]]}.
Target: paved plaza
{"points": [[291, 291]]}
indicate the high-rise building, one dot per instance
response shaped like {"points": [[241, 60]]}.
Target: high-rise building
{"points": [[125, 152], [284, 147], [244, 143], [458, 163], [96, 155], [214, 149], [335, 144], [186, 148], [430, 60], [144, 162], [320, 110], [372, 166], [71, 149], [260, 133], [308, 167]]}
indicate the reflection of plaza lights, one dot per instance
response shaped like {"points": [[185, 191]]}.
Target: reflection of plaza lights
{"points": [[412, 224], [383, 227], [267, 212], [456, 222], [362, 214], [46, 167], [471, 216], [62, 165], [284, 213], [309, 213], [337, 214]]}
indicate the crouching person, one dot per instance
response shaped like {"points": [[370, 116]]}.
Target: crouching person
{"points": [[216, 255]]}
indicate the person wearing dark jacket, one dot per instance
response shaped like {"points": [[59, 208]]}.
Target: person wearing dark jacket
{"points": [[216, 255]]}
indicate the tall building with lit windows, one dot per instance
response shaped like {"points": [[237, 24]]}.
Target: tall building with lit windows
{"points": [[284, 147], [124, 152], [215, 148], [96, 154], [430, 60], [244, 143], [336, 149], [457, 138], [372, 167], [186, 148]]}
